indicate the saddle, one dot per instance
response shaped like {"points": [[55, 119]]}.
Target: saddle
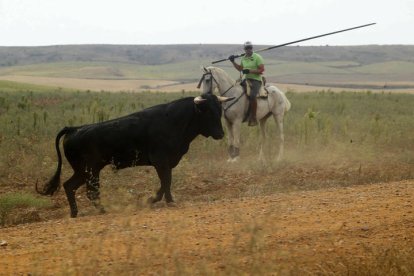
{"points": [[247, 86]]}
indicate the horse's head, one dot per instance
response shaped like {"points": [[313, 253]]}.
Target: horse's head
{"points": [[208, 81]]}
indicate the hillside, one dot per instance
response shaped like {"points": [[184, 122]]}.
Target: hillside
{"points": [[369, 66], [167, 54]]}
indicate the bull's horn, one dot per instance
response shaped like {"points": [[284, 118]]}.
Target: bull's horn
{"points": [[224, 99], [198, 100]]}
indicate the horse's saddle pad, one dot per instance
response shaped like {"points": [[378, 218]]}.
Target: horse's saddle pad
{"points": [[262, 92]]}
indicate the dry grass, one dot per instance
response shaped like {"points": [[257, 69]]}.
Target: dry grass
{"points": [[92, 84], [362, 230], [245, 218]]}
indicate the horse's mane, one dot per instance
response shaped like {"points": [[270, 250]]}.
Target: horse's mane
{"points": [[220, 74]]}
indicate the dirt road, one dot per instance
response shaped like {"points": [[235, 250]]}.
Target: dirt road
{"points": [[340, 230]]}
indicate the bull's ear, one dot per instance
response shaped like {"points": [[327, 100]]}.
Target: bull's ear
{"points": [[224, 99], [198, 100]]}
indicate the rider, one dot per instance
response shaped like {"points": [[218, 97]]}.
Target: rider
{"points": [[251, 65]]}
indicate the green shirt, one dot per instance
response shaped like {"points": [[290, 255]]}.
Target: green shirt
{"points": [[252, 63]]}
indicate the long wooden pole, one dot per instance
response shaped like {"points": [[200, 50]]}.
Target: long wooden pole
{"points": [[297, 41]]}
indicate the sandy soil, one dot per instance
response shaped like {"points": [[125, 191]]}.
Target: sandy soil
{"points": [[320, 231], [170, 86], [90, 84]]}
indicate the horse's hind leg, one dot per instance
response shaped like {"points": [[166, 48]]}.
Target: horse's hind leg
{"points": [[279, 121], [92, 191], [262, 123], [71, 185]]}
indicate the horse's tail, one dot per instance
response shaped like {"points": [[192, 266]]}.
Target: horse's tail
{"points": [[282, 94], [52, 186], [288, 105]]}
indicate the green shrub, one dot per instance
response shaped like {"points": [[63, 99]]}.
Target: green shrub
{"points": [[11, 201]]}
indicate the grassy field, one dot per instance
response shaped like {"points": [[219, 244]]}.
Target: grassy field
{"points": [[334, 141], [321, 127], [299, 76]]}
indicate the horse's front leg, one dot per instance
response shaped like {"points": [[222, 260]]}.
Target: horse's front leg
{"points": [[234, 148], [230, 139]]}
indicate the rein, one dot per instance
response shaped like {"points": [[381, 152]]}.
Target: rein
{"points": [[230, 105], [203, 77]]}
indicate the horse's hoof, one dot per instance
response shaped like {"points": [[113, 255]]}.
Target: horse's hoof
{"points": [[171, 204], [233, 160]]}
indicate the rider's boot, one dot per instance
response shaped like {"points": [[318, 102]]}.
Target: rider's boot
{"points": [[253, 109]]}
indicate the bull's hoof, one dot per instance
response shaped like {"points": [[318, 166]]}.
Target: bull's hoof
{"points": [[153, 200], [99, 207], [150, 200]]}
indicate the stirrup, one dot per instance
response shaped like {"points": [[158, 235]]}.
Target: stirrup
{"points": [[252, 122]]}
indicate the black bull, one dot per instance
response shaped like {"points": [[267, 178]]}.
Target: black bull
{"points": [[157, 136]]}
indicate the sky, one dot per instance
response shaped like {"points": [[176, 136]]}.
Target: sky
{"points": [[264, 22]]}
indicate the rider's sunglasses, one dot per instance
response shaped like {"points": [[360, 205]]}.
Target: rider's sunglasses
{"points": [[248, 47]]}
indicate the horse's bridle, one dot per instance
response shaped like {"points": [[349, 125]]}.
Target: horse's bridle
{"points": [[209, 74]]}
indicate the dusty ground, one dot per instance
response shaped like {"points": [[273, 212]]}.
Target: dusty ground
{"points": [[337, 230]]}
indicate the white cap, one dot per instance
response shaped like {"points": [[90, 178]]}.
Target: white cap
{"points": [[248, 44]]}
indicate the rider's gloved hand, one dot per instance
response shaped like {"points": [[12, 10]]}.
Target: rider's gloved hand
{"points": [[231, 58], [246, 71]]}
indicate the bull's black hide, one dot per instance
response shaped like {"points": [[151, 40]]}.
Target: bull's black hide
{"points": [[157, 136]]}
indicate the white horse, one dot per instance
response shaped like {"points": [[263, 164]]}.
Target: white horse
{"points": [[275, 104]]}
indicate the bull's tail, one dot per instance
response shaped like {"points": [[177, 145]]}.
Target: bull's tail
{"points": [[52, 186]]}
